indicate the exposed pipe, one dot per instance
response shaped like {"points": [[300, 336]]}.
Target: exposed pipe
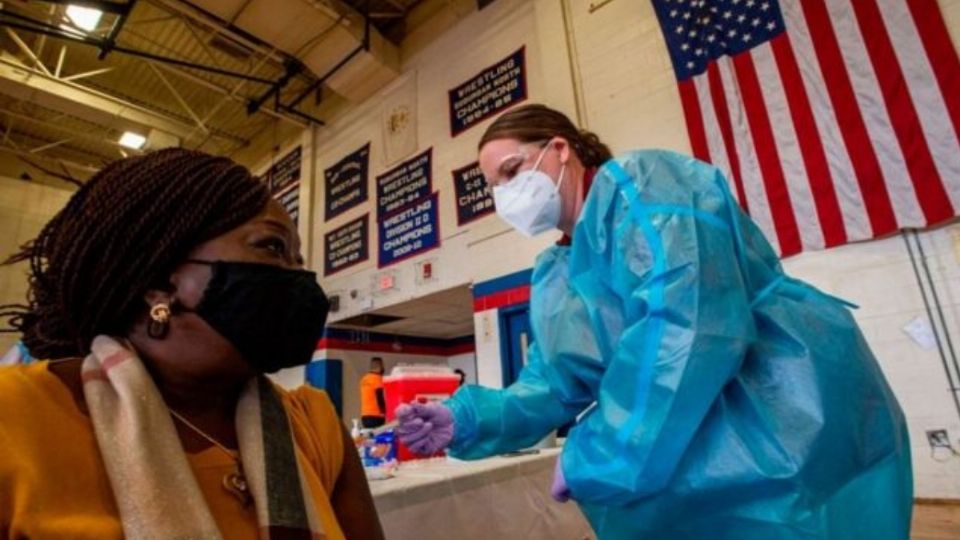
{"points": [[939, 307], [293, 68], [576, 79], [954, 388], [364, 46]]}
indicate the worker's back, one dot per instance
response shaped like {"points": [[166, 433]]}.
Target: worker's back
{"points": [[372, 404]]}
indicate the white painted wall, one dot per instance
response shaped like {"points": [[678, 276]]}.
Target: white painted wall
{"points": [[489, 368], [466, 362]]}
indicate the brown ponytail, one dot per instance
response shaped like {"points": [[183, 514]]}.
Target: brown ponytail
{"points": [[532, 123]]}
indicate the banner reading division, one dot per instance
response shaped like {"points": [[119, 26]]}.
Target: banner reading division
{"points": [[409, 232], [346, 246], [492, 90], [346, 183]]}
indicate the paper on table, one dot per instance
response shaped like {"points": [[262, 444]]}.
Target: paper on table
{"points": [[920, 331]]}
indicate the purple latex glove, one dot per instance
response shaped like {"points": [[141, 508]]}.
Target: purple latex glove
{"points": [[425, 428], [559, 490]]}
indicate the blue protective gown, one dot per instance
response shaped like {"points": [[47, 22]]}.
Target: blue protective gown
{"points": [[731, 401]]}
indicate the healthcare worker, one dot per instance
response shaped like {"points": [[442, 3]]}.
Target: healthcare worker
{"points": [[729, 400]]}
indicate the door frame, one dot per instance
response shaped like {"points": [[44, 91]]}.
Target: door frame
{"points": [[506, 358]]}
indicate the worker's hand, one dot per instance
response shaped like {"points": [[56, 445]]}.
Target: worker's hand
{"points": [[559, 490], [425, 428]]}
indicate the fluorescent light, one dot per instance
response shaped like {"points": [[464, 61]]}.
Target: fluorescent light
{"points": [[84, 18], [132, 140]]}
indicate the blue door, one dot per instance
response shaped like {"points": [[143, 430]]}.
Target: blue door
{"points": [[515, 337]]}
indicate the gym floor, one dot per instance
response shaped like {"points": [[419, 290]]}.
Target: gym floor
{"points": [[939, 521]]}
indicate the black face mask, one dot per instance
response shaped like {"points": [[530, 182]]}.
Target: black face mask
{"points": [[274, 316]]}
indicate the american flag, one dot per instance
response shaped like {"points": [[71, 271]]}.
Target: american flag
{"points": [[835, 120]]}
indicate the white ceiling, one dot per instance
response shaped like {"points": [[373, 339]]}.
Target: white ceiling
{"points": [[444, 315]]}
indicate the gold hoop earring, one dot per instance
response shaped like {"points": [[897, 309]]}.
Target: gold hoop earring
{"points": [[159, 323]]}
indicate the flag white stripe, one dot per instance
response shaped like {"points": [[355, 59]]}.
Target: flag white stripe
{"points": [[925, 93], [856, 221], [788, 147], [715, 145], [906, 207], [749, 165]]}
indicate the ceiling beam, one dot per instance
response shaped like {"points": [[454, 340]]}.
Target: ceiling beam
{"points": [[26, 50]]}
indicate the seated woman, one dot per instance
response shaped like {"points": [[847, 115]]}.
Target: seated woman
{"points": [[162, 293]]}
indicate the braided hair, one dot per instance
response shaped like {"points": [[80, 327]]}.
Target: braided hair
{"points": [[534, 123], [121, 234]]}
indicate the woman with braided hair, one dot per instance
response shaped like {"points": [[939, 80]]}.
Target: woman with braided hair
{"points": [[162, 293], [715, 396]]}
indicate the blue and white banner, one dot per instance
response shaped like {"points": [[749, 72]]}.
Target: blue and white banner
{"points": [[345, 183], [501, 85], [409, 181], [474, 199], [346, 246], [283, 180], [409, 232]]}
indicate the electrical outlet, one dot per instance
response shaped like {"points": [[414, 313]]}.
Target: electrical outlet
{"points": [[938, 438]]}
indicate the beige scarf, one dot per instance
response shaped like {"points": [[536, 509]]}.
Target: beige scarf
{"points": [[156, 492]]}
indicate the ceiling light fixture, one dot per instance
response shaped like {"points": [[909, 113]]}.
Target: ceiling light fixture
{"points": [[84, 18], [132, 140]]}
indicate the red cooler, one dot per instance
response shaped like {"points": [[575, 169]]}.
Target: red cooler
{"points": [[423, 383]]}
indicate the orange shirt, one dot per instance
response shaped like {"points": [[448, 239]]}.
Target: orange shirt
{"points": [[369, 384], [53, 483]]}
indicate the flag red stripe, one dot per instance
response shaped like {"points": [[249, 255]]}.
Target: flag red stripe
{"points": [[876, 197], [930, 191], [941, 53], [811, 144], [694, 117], [778, 197], [719, 99]]}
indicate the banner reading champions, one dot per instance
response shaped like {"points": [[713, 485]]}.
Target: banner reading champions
{"points": [[407, 210], [501, 85]]}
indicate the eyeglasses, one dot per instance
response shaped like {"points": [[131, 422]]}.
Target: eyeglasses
{"points": [[511, 164]]}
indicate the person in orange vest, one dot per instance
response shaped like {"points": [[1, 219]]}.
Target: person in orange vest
{"points": [[373, 405]]}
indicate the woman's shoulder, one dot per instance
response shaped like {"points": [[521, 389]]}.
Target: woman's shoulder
{"points": [[24, 383], [313, 414], [310, 400], [317, 429], [649, 165]]}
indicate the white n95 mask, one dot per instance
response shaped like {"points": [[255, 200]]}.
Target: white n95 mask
{"points": [[530, 201]]}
